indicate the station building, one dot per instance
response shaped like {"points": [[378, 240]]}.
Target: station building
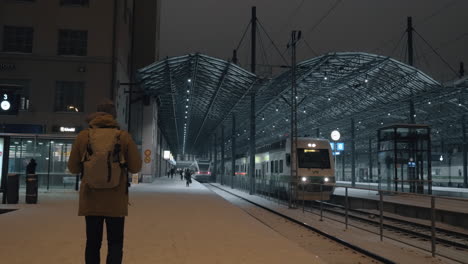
{"points": [[59, 59]]}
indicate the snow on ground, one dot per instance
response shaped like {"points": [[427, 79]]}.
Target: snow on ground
{"points": [[390, 249], [167, 223]]}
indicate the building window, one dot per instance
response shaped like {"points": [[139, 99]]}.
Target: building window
{"points": [[74, 2], [18, 39], [72, 42], [69, 96]]}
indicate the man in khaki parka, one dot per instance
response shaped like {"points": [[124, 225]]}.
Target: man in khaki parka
{"points": [[109, 205]]}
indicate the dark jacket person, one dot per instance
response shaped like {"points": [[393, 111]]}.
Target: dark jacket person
{"points": [[109, 205]]}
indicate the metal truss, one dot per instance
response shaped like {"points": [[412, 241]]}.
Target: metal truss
{"points": [[332, 89]]}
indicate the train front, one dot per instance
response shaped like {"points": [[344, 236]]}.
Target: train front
{"points": [[316, 169]]}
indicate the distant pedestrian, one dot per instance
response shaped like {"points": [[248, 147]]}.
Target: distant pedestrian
{"points": [[31, 167], [181, 172], [172, 173], [188, 177], [104, 186]]}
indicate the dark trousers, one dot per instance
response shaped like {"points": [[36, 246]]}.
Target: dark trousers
{"points": [[115, 235]]}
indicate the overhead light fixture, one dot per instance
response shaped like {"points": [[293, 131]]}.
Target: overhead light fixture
{"points": [[189, 80]]}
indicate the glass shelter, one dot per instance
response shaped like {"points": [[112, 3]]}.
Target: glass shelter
{"points": [[51, 153], [404, 158]]}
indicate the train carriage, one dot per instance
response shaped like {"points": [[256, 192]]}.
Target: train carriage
{"points": [[315, 177]]}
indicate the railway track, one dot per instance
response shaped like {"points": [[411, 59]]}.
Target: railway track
{"points": [[258, 212], [422, 232]]}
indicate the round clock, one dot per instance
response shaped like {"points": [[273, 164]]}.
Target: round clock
{"points": [[5, 105]]}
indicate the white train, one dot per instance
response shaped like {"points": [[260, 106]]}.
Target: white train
{"points": [[315, 168], [201, 171]]}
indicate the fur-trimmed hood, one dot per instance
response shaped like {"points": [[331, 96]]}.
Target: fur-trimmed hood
{"points": [[102, 119]]}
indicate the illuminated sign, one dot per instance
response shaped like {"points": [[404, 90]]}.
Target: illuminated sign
{"points": [[310, 150], [68, 129], [8, 102], [167, 154], [335, 135], [339, 146]]}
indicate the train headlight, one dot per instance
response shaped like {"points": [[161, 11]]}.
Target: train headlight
{"points": [[326, 179], [304, 179]]}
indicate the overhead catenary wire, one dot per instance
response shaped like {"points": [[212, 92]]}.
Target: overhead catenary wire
{"points": [[323, 17], [424, 20], [263, 49], [437, 53], [292, 15], [272, 42], [329, 11], [310, 47], [243, 35], [398, 44]]}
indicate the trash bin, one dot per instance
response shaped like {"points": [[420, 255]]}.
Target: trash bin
{"points": [[31, 188], [12, 188]]}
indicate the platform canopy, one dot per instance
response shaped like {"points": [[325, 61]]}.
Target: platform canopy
{"points": [[336, 88], [196, 94], [333, 89]]}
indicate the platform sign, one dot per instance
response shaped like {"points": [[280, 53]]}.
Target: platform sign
{"points": [[8, 102], [339, 146]]}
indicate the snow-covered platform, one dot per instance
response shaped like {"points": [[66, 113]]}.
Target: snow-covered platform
{"points": [[448, 210], [167, 223]]}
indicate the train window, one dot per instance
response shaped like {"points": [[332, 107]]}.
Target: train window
{"points": [[276, 166], [272, 166], [313, 158], [281, 166]]}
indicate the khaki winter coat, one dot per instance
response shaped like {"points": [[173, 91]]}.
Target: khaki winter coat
{"points": [[111, 202]]}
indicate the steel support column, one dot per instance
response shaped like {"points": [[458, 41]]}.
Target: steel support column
{"points": [[353, 155], [233, 150], [221, 141], [370, 160], [215, 154], [409, 30], [252, 103], [464, 149]]}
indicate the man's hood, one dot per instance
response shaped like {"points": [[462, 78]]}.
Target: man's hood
{"points": [[101, 119]]}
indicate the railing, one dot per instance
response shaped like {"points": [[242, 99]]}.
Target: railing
{"points": [[280, 192]]}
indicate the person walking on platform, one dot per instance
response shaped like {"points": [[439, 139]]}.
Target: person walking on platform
{"points": [[188, 177], [181, 172], [172, 172], [104, 155]]}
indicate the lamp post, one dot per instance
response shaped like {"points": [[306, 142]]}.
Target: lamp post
{"points": [[335, 136]]}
